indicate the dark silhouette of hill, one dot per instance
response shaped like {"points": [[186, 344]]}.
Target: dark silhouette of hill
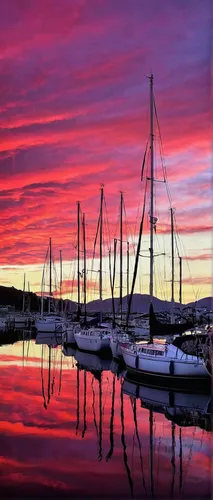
{"points": [[140, 302]]}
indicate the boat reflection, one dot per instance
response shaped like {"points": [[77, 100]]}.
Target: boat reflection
{"points": [[68, 350], [139, 434], [55, 367], [185, 409], [92, 362], [118, 368], [48, 338]]}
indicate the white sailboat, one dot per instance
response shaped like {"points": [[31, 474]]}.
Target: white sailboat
{"points": [[119, 335], [116, 341], [165, 360], [74, 326], [154, 359], [52, 323], [96, 339]]}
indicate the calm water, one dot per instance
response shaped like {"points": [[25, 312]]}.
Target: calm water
{"points": [[71, 433]]}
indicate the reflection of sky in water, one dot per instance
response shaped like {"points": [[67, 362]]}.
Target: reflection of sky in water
{"points": [[66, 451]]}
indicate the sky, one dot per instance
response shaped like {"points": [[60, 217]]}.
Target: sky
{"points": [[74, 113]]}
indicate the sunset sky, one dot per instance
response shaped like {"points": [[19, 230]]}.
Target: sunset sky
{"points": [[74, 104]]}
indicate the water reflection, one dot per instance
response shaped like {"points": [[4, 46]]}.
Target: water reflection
{"points": [[73, 425]]}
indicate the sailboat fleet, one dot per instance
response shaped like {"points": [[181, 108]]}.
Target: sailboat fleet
{"points": [[160, 354]]}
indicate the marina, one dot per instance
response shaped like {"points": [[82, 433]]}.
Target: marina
{"points": [[106, 290]]}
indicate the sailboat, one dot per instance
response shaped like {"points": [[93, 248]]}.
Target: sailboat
{"points": [[96, 338], [119, 336], [74, 326], [51, 323], [158, 359]]}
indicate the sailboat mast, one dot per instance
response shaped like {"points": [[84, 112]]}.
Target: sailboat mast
{"points": [[121, 253], [50, 285], [173, 267], [49, 373], [180, 289], [127, 272], [23, 303], [60, 252], [85, 270], [78, 269], [101, 253], [151, 189]]}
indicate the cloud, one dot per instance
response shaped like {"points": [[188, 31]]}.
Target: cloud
{"points": [[74, 114], [202, 256]]}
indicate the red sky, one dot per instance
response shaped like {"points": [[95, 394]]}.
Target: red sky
{"points": [[74, 114]]}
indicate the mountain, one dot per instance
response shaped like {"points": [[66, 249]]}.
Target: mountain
{"points": [[206, 303], [10, 296], [140, 303]]}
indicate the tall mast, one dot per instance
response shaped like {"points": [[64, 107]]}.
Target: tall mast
{"points": [[60, 252], [85, 270], [50, 285], [78, 269], [23, 303], [112, 288], [127, 272], [173, 268], [180, 289], [29, 300], [42, 294], [101, 254], [151, 189], [121, 252]]}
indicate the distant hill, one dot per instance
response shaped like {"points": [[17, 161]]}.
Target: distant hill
{"points": [[12, 296], [140, 303], [206, 303]]}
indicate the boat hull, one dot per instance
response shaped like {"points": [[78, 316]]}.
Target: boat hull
{"points": [[49, 327], [166, 367], [92, 344], [116, 349], [69, 336], [115, 345]]}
